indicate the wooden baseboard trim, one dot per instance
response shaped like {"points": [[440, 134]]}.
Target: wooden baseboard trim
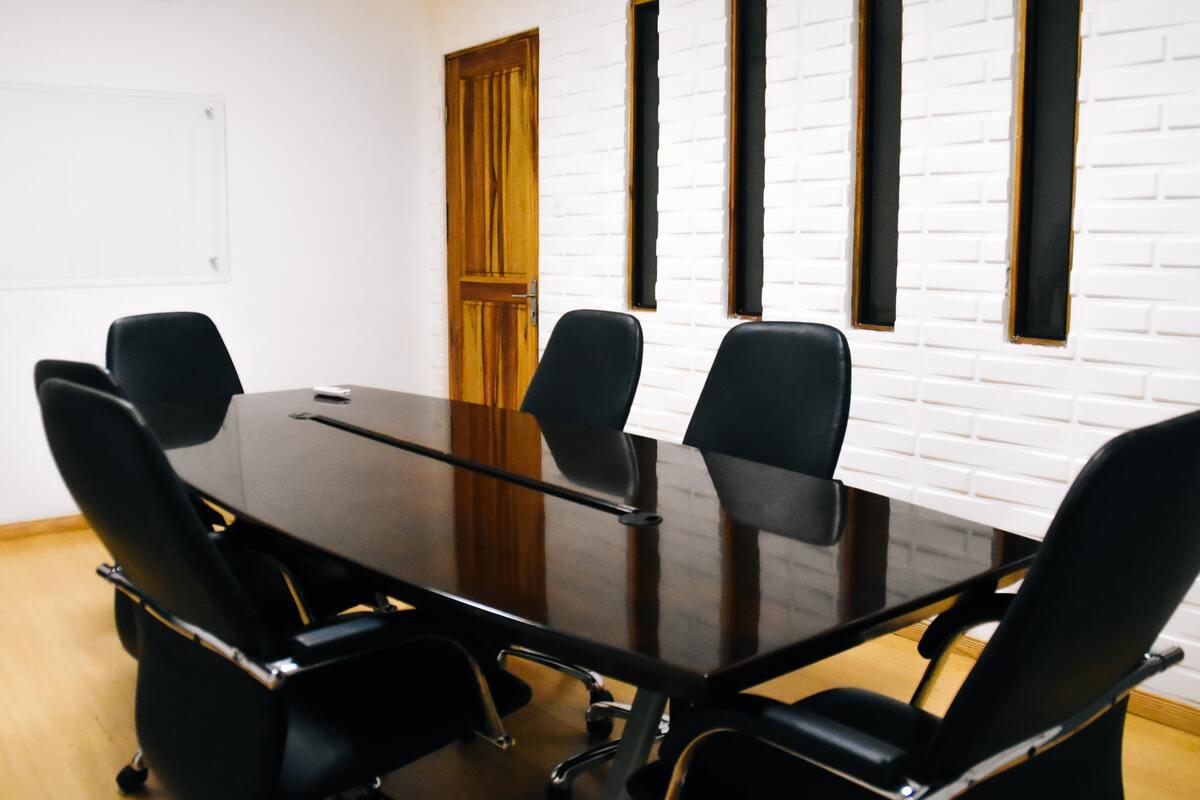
{"points": [[21, 530], [1173, 713]]}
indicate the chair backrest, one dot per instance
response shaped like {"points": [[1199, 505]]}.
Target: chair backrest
{"points": [[778, 393], [1121, 553], [589, 372], [80, 372], [177, 356], [135, 503]]}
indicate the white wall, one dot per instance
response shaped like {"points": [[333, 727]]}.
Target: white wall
{"points": [[946, 412], [324, 189]]}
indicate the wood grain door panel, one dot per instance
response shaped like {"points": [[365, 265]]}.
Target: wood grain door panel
{"points": [[494, 337], [492, 219]]}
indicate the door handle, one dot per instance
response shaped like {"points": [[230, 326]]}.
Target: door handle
{"points": [[532, 297]]}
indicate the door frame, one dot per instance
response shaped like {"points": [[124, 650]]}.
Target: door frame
{"points": [[532, 33], [453, 290]]}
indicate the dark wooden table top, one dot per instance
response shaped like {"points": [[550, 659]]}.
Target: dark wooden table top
{"points": [[684, 571]]}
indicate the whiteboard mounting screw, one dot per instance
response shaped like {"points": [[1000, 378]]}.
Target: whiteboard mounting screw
{"points": [[208, 112], [214, 262]]}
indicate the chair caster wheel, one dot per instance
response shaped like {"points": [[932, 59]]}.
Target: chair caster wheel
{"points": [[599, 728], [130, 780], [557, 792]]}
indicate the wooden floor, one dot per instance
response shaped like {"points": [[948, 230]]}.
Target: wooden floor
{"points": [[66, 694]]}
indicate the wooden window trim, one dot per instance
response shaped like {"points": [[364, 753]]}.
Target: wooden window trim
{"points": [[631, 155], [860, 179], [1019, 79], [734, 126]]}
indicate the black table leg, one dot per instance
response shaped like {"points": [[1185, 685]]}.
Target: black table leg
{"points": [[640, 731]]}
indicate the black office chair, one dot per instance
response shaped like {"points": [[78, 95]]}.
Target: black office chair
{"points": [[588, 376], [167, 361], [1042, 713], [227, 707], [778, 393], [177, 356], [80, 372], [97, 378], [589, 371]]}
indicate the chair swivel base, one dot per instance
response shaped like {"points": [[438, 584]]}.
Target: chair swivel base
{"points": [[132, 776], [600, 727], [563, 776]]}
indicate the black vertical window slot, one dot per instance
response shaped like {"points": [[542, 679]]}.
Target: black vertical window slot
{"points": [[1045, 170], [643, 211], [748, 155], [878, 196]]}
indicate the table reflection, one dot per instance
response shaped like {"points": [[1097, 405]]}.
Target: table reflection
{"points": [[499, 534]]}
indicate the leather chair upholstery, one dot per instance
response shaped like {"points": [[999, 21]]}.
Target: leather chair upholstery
{"points": [[205, 726], [589, 371], [177, 356], [94, 377], [80, 372], [1119, 557], [778, 393]]}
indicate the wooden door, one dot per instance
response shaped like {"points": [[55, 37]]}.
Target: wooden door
{"points": [[492, 219]]}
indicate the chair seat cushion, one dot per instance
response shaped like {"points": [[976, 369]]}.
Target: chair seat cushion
{"points": [[893, 721], [738, 766], [350, 723]]}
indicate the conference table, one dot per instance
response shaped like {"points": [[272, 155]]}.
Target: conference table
{"points": [[688, 574]]}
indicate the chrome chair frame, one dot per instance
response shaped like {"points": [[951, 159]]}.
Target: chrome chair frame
{"points": [[563, 776], [592, 681], [1152, 663]]}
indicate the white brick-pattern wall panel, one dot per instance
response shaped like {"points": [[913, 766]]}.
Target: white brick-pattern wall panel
{"points": [[946, 413], [691, 319]]}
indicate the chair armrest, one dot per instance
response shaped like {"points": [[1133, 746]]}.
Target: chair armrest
{"points": [[353, 635], [315, 648], [1151, 664], [945, 630], [319, 640], [819, 740], [949, 625], [356, 635], [347, 637]]}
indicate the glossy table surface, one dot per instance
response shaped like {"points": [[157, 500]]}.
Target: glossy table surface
{"points": [[733, 573]]}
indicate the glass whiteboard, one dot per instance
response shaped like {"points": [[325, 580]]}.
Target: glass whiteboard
{"points": [[102, 187]]}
